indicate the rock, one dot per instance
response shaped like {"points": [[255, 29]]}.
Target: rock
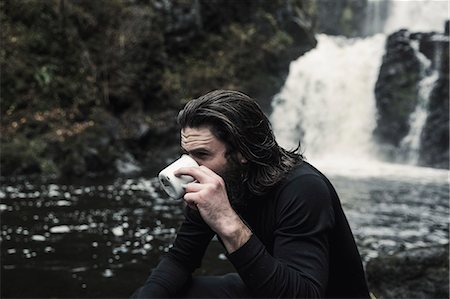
{"points": [[397, 95], [127, 165], [415, 273], [396, 89], [434, 150], [245, 45], [93, 150]]}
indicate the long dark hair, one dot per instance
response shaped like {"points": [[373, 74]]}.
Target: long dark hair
{"points": [[238, 121]]}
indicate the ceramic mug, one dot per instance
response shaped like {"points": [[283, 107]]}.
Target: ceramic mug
{"points": [[175, 185]]}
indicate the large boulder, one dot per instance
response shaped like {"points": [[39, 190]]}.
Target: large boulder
{"points": [[415, 273], [396, 90], [397, 95]]}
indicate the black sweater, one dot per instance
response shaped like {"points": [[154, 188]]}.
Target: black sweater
{"points": [[301, 246]]}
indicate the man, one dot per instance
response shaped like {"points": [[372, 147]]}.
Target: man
{"points": [[279, 219]]}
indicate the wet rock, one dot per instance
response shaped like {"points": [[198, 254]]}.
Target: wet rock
{"points": [[127, 164], [416, 273], [396, 89], [397, 95], [93, 150], [434, 150]]}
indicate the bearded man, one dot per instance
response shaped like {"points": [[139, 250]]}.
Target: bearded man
{"points": [[279, 219]]}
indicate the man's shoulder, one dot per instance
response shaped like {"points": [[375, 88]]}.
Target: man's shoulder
{"points": [[301, 171], [305, 195], [304, 175]]}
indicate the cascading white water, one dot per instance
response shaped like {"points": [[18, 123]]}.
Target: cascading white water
{"points": [[328, 100], [330, 90], [417, 15]]}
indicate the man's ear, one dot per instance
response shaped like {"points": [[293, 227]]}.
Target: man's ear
{"points": [[241, 158]]}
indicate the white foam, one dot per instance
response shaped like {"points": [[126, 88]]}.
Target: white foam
{"points": [[60, 229]]}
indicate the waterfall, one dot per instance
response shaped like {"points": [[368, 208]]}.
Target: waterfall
{"points": [[417, 15], [376, 16], [327, 102]]}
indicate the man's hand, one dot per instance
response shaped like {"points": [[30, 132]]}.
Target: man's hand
{"points": [[210, 197]]}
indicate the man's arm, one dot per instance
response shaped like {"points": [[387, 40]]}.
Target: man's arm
{"points": [[236, 235], [300, 262], [209, 196], [175, 269]]}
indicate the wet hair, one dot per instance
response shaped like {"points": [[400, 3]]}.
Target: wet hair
{"points": [[238, 121]]}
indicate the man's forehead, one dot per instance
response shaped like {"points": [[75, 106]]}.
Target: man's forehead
{"points": [[196, 135], [201, 131]]}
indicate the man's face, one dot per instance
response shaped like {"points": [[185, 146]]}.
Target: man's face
{"points": [[201, 144], [204, 148]]}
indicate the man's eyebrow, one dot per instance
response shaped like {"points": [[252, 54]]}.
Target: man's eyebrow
{"points": [[196, 150]]}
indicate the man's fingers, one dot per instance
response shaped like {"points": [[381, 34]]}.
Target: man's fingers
{"points": [[193, 187], [201, 173], [188, 199], [208, 171]]}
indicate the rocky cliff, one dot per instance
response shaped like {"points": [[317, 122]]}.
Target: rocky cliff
{"points": [[398, 94], [434, 150]]}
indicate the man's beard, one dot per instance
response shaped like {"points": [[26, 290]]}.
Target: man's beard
{"points": [[234, 176]]}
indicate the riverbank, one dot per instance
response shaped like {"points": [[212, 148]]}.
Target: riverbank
{"points": [[415, 273]]}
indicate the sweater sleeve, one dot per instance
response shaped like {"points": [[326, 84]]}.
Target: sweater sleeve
{"points": [[298, 266], [175, 268]]}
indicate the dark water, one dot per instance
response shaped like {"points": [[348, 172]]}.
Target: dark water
{"points": [[100, 239]]}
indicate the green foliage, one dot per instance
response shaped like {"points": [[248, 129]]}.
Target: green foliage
{"points": [[22, 156], [241, 57], [74, 72]]}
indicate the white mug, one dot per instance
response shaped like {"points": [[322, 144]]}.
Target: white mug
{"points": [[173, 185]]}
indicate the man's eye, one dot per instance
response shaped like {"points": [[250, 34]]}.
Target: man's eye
{"points": [[201, 154]]}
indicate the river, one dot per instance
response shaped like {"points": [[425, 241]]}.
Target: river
{"points": [[100, 238]]}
